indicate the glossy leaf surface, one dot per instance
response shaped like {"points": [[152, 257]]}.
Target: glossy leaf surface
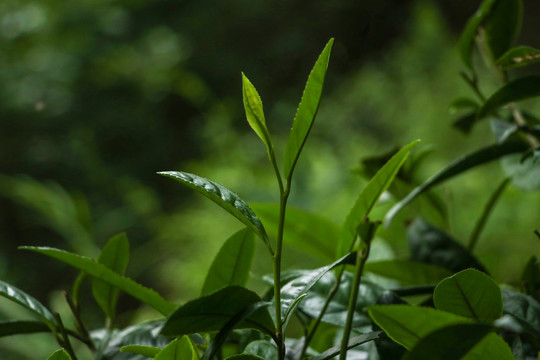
{"points": [[470, 293], [212, 312], [408, 273], [178, 349], [232, 263], [369, 196], [100, 271], [8, 328], [353, 342], [59, 354], [114, 255], [518, 57], [18, 296], [224, 198], [307, 110], [148, 351], [254, 111]]}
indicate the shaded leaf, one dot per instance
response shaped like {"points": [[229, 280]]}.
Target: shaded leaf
{"points": [[523, 307], [502, 25], [369, 197], [100, 271], [212, 312], [462, 103], [224, 198], [262, 348], [59, 354], [470, 293], [244, 357], [491, 347], [518, 57], [457, 167], [408, 273], [516, 90], [353, 342], [530, 278], [466, 40], [178, 349], [523, 171], [307, 110], [8, 328], [465, 122], [114, 255], [147, 351], [254, 112], [232, 263]]}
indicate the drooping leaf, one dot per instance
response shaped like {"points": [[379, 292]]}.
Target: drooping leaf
{"points": [[212, 312], [457, 167], [8, 328], [518, 57], [470, 293], [232, 263], [304, 230], [516, 90], [262, 348], [369, 197], [114, 255], [178, 349], [408, 273], [224, 198], [147, 351], [448, 343], [307, 110], [502, 25], [466, 41], [433, 246], [100, 271], [59, 354], [353, 342], [18, 296], [406, 324]]}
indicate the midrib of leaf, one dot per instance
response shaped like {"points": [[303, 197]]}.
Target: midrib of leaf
{"points": [[466, 300]]}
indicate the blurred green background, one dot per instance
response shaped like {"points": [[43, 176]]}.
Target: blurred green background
{"points": [[97, 96]]}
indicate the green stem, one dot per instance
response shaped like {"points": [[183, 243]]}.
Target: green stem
{"points": [[65, 337], [83, 330]]}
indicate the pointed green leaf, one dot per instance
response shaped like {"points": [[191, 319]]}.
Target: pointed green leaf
{"points": [[178, 349], [114, 255], [470, 293], [100, 271], [224, 198], [466, 41], [518, 57], [353, 342], [406, 324], [516, 90], [254, 112], [491, 347], [8, 328], [212, 312], [502, 25], [148, 351], [408, 273], [232, 263], [59, 354], [457, 167], [369, 197], [307, 110], [20, 297]]}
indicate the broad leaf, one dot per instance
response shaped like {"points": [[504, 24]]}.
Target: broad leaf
{"points": [[307, 110], [518, 56], [262, 348], [114, 255], [491, 347], [224, 198], [451, 342], [178, 349], [353, 342], [502, 26], [59, 354], [304, 230], [147, 351], [212, 312], [254, 112], [433, 246], [369, 197], [466, 41], [100, 271], [457, 167], [406, 324], [8, 328], [470, 293], [523, 307], [232, 263], [20, 297], [408, 273], [516, 90]]}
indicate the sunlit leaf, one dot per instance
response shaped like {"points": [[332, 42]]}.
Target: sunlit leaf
{"points": [[178, 349], [408, 273], [518, 57], [148, 351]]}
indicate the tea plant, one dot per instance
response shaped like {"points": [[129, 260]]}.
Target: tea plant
{"points": [[440, 303]]}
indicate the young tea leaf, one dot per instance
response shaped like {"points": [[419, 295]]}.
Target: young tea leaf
{"points": [[8, 328], [466, 41], [502, 25], [254, 112], [59, 354], [518, 57], [307, 110], [148, 351], [114, 255], [225, 198], [100, 271], [178, 349], [232, 264]]}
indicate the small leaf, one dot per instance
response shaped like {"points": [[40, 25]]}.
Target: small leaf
{"points": [[263, 349], [307, 110], [408, 273], [114, 255], [178, 349], [224, 198], [18, 296], [451, 342], [369, 197], [502, 25], [516, 90], [59, 354], [462, 103], [466, 41], [466, 122], [470, 293], [8, 328], [100, 271], [212, 312], [353, 342], [457, 167], [148, 351], [518, 57], [232, 264]]}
